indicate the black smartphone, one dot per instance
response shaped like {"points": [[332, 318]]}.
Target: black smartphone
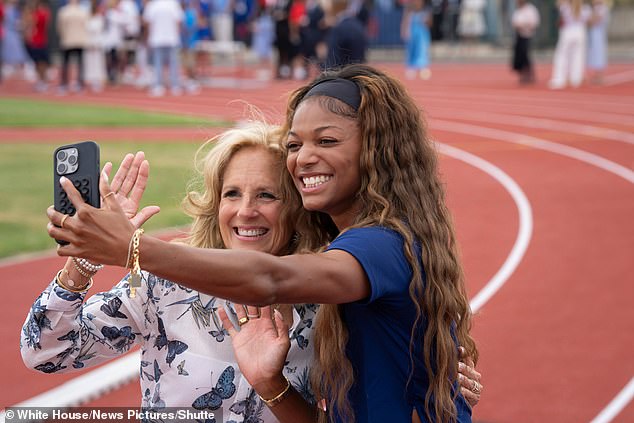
{"points": [[80, 163]]}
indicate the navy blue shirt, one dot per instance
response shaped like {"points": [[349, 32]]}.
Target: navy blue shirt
{"points": [[379, 332], [347, 43]]}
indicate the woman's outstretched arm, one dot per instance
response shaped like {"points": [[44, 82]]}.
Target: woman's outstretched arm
{"points": [[103, 236]]}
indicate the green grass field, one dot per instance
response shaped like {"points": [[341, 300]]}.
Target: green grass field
{"points": [[38, 114], [26, 170], [27, 188]]}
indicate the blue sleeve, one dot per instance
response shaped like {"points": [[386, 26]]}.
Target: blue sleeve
{"points": [[380, 252]]}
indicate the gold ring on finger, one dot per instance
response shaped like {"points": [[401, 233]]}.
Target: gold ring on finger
{"points": [[242, 320], [61, 224], [108, 195]]}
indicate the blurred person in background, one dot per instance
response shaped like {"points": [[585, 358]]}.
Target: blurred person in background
{"points": [[15, 23], [263, 29], [471, 24], [113, 39], [94, 55], [525, 20], [313, 38], [415, 31], [164, 18], [347, 41], [37, 20], [569, 59], [282, 39], [131, 32], [598, 39], [1, 35], [72, 28]]}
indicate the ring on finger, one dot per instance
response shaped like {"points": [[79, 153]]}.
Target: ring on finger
{"points": [[61, 224], [242, 320], [108, 195], [476, 388]]}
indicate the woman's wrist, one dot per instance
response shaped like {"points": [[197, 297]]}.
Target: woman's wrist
{"points": [[271, 388]]}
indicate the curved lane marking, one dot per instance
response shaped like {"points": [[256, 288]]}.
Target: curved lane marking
{"points": [[525, 222], [555, 125], [553, 147], [616, 405]]}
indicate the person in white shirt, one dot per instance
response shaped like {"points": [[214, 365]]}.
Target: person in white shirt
{"points": [[570, 53], [164, 18], [72, 27]]}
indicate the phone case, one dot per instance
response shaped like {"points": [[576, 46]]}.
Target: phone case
{"points": [[80, 163]]}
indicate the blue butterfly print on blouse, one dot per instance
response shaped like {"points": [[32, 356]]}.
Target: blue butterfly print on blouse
{"points": [[250, 408], [49, 367], [173, 347], [112, 332], [124, 335], [201, 313], [72, 336], [157, 371], [37, 321], [66, 295], [153, 402], [181, 369], [224, 389], [112, 308]]}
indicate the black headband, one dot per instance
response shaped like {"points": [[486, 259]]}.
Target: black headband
{"points": [[339, 88]]}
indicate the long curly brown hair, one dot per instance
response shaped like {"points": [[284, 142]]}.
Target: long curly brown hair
{"points": [[400, 189]]}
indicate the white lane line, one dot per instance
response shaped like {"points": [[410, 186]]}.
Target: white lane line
{"points": [[561, 99], [88, 386], [525, 222], [618, 78], [538, 143], [525, 109], [555, 125], [616, 405]]}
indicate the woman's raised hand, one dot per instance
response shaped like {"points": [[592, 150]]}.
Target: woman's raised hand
{"points": [[129, 184], [103, 235], [260, 343]]}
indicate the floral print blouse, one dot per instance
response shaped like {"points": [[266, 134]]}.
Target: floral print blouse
{"points": [[186, 355]]}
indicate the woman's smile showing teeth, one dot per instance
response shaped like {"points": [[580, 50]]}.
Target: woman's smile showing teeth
{"points": [[250, 232], [315, 181]]}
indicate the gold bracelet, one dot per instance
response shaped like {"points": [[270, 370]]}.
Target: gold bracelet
{"points": [[279, 397], [133, 264], [72, 287]]}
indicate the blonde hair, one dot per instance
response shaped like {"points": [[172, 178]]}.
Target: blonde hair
{"points": [[203, 201], [401, 190]]}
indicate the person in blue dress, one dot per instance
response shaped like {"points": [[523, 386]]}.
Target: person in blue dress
{"points": [[598, 40], [415, 32], [394, 308]]}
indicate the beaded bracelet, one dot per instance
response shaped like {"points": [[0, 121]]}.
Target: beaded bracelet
{"points": [[88, 266], [81, 269], [279, 397], [69, 281]]}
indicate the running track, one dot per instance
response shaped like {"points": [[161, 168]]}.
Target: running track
{"points": [[541, 185]]}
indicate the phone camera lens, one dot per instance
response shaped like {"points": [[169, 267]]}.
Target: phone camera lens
{"points": [[61, 155], [61, 168], [72, 160]]}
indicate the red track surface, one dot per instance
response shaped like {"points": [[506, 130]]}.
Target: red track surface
{"points": [[554, 339]]}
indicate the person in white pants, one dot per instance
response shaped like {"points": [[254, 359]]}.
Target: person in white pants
{"points": [[570, 53]]}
